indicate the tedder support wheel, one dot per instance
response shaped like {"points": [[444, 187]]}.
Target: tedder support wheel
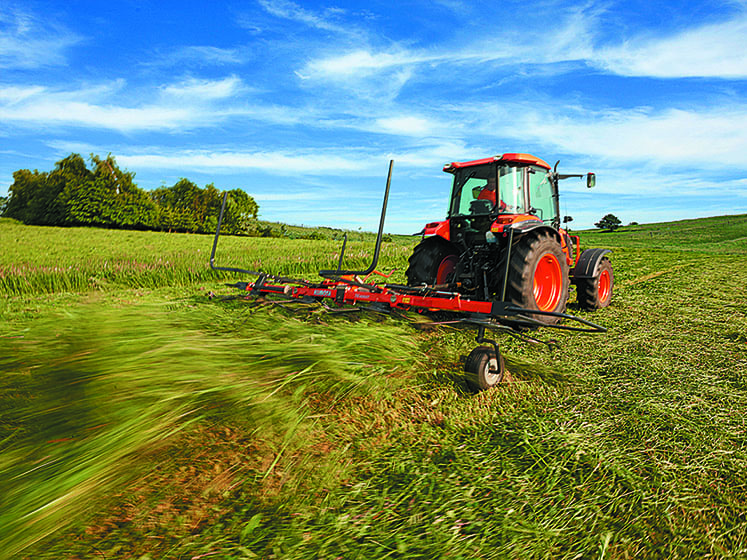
{"points": [[432, 262], [596, 292], [484, 370], [538, 276]]}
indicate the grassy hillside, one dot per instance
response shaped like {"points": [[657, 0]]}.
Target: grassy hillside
{"points": [[720, 234], [141, 419]]}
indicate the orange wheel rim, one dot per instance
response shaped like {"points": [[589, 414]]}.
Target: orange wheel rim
{"points": [[446, 267], [605, 285], [548, 283]]}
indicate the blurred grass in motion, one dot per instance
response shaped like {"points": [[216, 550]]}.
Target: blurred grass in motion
{"points": [[86, 395]]}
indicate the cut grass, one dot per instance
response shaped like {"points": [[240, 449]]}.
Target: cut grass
{"points": [[87, 393], [625, 445]]}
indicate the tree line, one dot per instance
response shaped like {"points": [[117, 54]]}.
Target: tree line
{"points": [[105, 196]]}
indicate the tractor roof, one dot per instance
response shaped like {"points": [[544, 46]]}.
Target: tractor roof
{"points": [[506, 158]]}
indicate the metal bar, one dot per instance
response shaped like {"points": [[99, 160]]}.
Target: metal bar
{"points": [[370, 269], [215, 244], [342, 251], [508, 263]]}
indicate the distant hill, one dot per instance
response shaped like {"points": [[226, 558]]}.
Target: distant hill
{"points": [[719, 234]]}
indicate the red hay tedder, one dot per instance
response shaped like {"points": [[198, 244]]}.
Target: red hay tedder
{"points": [[499, 261]]}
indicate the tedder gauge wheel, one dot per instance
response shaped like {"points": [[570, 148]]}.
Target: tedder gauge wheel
{"points": [[596, 292], [484, 369]]}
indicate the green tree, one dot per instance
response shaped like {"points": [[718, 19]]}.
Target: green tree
{"points": [[609, 223], [88, 203], [187, 207], [25, 196], [241, 213], [107, 196], [35, 197], [69, 171], [180, 206]]}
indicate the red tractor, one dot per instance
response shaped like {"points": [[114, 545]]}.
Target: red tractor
{"points": [[502, 240]]}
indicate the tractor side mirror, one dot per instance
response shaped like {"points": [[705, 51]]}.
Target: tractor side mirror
{"points": [[591, 180]]}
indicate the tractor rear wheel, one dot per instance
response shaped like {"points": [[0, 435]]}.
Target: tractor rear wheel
{"points": [[432, 262], [596, 292], [538, 276], [484, 369]]}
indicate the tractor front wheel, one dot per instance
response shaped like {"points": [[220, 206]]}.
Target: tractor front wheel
{"points": [[596, 292], [538, 276], [484, 369], [432, 262]]}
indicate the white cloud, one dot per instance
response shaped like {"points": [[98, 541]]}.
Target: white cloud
{"points": [[405, 125], [185, 105], [30, 42], [361, 62], [711, 137], [291, 196], [42, 107], [17, 94], [201, 55], [202, 90], [290, 10], [567, 40], [713, 50], [275, 162]]}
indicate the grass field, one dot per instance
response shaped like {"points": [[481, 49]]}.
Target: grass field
{"points": [[141, 419]]}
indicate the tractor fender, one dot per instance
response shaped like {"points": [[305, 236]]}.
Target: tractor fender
{"points": [[588, 263], [527, 226]]}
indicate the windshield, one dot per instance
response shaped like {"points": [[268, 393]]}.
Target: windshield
{"points": [[484, 189]]}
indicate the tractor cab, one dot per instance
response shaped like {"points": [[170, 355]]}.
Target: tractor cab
{"points": [[512, 187]]}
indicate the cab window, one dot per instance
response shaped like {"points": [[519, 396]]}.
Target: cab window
{"points": [[511, 188], [540, 194]]}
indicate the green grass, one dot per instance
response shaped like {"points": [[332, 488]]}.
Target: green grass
{"points": [[721, 234], [152, 422], [93, 389], [39, 260]]}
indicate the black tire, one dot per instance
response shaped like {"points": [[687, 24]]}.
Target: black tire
{"points": [[484, 370], [425, 261], [538, 276], [596, 293]]}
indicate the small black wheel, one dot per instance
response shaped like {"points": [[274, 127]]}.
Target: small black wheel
{"points": [[596, 292], [484, 369]]}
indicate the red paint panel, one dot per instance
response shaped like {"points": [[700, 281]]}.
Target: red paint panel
{"points": [[438, 228], [507, 158]]}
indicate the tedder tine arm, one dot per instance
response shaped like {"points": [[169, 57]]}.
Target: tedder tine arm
{"points": [[215, 244], [370, 269]]}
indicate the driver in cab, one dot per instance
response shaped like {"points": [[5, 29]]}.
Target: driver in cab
{"points": [[488, 193]]}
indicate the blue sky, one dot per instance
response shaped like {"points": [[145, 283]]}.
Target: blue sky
{"points": [[303, 104]]}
